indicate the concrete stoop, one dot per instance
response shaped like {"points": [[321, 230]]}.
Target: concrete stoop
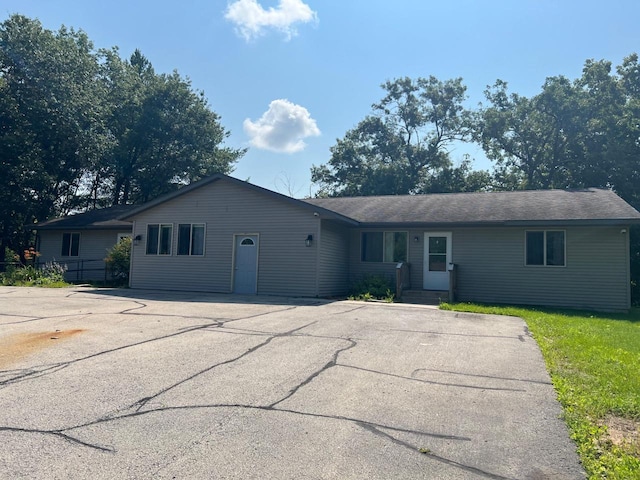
{"points": [[425, 297]]}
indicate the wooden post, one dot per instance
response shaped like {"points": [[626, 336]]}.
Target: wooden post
{"points": [[452, 283]]}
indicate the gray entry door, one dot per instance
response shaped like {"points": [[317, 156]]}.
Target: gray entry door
{"points": [[245, 273]]}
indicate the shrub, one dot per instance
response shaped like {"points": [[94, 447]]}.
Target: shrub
{"points": [[119, 260], [372, 287], [51, 274]]}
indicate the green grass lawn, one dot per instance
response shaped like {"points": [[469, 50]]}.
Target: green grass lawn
{"points": [[594, 362]]}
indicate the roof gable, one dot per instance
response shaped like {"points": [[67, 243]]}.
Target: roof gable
{"points": [[242, 184]]}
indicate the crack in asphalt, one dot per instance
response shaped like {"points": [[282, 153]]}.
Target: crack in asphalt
{"points": [[372, 427], [34, 319], [517, 337], [309, 379], [31, 373], [351, 310], [266, 408], [143, 401], [58, 366], [218, 326], [432, 382], [58, 433], [29, 376], [450, 372], [376, 431]]}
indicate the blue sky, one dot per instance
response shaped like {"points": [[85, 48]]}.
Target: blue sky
{"points": [[289, 77]]}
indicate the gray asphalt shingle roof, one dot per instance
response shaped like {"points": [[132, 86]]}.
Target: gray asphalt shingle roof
{"points": [[94, 219], [528, 207], [592, 205]]}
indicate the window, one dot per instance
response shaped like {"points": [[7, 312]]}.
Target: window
{"points": [[159, 239], [437, 254], [70, 244], [545, 247], [191, 239], [384, 247]]}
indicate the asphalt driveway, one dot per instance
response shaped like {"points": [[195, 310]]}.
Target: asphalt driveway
{"points": [[139, 384]]}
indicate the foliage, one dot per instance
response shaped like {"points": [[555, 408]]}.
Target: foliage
{"points": [[402, 144], [459, 179], [119, 259], [594, 363], [49, 121], [372, 287], [163, 133], [11, 261], [573, 134], [82, 129], [50, 275]]}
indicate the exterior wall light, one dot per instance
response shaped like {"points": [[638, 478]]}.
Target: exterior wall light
{"points": [[309, 240], [136, 239], [416, 239]]}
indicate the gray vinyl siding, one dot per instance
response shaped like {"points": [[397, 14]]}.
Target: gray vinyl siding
{"points": [[334, 260], [285, 265], [93, 248], [491, 268], [416, 258]]}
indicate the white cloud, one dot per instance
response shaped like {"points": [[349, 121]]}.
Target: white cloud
{"points": [[282, 128], [252, 20]]}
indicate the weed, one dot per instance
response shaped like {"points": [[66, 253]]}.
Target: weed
{"points": [[50, 275], [372, 287]]}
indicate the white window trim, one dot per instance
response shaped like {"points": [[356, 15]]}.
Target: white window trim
{"points": [[544, 247]]}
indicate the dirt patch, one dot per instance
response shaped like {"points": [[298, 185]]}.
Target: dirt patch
{"points": [[623, 432], [16, 347]]}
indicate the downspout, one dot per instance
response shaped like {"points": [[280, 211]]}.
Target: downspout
{"points": [[628, 263], [133, 235], [318, 245]]}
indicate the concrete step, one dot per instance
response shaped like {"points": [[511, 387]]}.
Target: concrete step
{"points": [[425, 297]]}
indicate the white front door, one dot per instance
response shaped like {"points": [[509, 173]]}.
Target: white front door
{"points": [[245, 269], [437, 257]]}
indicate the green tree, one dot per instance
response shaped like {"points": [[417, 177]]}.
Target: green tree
{"points": [[82, 129], [402, 144], [461, 178], [572, 134], [163, 133], [49, 121], [527, 138]]}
